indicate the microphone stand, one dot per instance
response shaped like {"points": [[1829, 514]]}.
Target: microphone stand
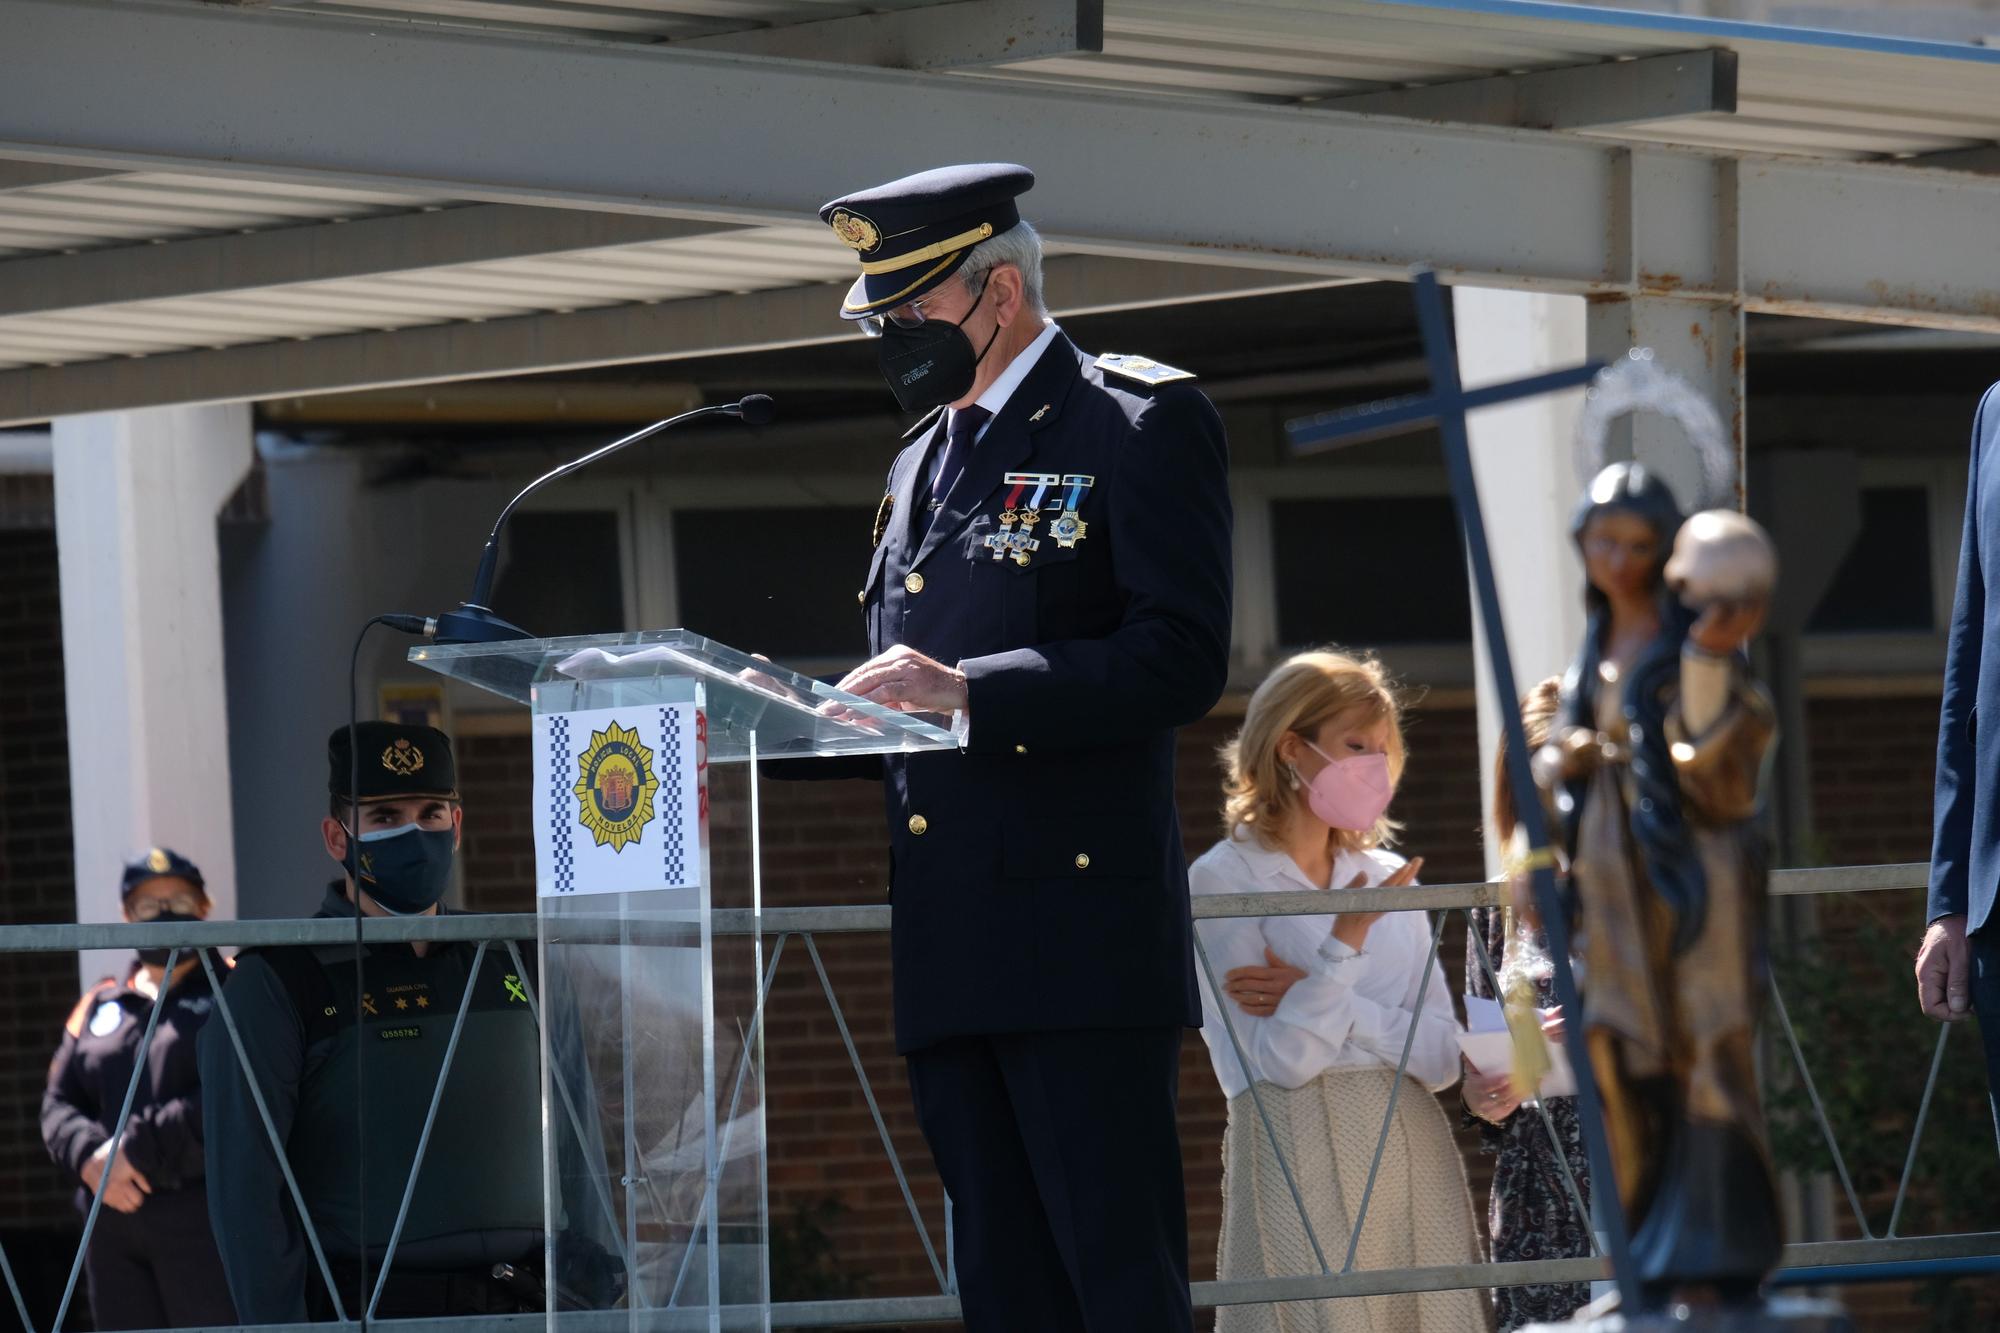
{"points": [[474, 620]]}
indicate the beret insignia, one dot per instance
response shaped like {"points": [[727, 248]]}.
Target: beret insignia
{"points": [[403, 758], [157, 861], [855, 231]]}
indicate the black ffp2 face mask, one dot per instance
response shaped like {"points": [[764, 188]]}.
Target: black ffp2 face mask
{"points": [[932, 363], [157, 956]]}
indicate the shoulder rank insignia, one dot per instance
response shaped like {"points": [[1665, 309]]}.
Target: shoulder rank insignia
{"points": [[1141, 369]]}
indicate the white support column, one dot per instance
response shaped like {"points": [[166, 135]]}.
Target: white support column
{"points": [[1521, 457], [137, 494]]}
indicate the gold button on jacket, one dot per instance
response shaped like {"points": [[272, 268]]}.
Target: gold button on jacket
{"points": [[918, 824], [1083, 860], [913, 582]]}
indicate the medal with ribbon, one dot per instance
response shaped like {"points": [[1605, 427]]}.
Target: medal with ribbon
{"points": [[1020, 545], [1000, 541], [1025, 542], [1068, 529]]}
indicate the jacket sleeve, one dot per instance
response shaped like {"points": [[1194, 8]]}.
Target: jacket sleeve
{"points": [[164, 1140], [1167, 661], [1958, 740], [1313, 1023], [70, 1130], [263, 1248], [1434, 1052]]}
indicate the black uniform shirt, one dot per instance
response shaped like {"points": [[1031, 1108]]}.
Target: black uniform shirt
{"points": [[93, 1066]]}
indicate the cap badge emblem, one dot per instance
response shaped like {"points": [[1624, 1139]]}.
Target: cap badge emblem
{"points": [[157, 862], [855, 231], [403, 758]]}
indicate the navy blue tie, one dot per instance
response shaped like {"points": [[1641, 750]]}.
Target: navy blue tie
{"points": [[965, 424]]}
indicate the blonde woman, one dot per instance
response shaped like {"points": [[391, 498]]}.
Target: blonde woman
{"points": [[1317, 1010]]}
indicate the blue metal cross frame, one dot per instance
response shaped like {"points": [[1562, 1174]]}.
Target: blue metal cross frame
{"points": [[1445, 405]]}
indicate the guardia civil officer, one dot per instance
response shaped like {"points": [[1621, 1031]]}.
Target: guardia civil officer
{"points": [[477, 1209], [1052, 566], [152, 1261]]}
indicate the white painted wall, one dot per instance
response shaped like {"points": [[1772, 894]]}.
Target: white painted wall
{"points": [[137, 494], [1521, 457]]}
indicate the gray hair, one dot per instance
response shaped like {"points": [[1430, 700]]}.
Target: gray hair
{"points": [[1019, 245]]}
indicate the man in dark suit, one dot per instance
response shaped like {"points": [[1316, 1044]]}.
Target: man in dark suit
{"points": [[1958, 967], [1051, 567]]}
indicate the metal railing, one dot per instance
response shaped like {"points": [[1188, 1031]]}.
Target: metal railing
{"points": [[1819, 1263]]}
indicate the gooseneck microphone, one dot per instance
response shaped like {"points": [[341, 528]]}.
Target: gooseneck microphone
{"points": [[474, 621]]}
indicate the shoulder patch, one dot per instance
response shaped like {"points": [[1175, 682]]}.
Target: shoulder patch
{"points": [[1142, 369], [83, 1006]]}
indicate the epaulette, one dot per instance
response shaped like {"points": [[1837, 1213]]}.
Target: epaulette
{"points": [[83, 1006], [925, 424], [1141, 369]]}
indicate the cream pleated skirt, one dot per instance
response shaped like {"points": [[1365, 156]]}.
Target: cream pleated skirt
{"points": [[1420, 1214]]}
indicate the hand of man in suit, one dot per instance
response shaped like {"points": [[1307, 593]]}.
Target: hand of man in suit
{"points": [[1944, 970], [905, 679]]}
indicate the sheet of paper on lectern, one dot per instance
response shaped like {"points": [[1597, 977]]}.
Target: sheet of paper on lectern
{"points": [[621, 799]]}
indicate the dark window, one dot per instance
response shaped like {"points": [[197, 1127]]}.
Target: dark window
{"points": [[1369, 572], [776, 581], [562, 573], [1884, 584]]}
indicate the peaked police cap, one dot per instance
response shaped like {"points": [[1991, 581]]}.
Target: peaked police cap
{"points": [[912, 234]]}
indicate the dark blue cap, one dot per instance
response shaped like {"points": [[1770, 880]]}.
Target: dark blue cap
{"points": [[156, 862], [400, 761], [914, 233]]}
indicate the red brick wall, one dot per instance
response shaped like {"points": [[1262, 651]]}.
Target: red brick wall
{"points": [[36, 990], [824, 844], [37, 1224]]}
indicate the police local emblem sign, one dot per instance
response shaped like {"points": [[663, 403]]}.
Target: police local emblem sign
{"points": [[620, 799]]}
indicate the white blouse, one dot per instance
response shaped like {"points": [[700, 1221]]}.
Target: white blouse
{"points": [[1351, 1010]]}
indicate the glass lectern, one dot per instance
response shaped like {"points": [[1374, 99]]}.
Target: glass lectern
{"points": [[651, 967]]}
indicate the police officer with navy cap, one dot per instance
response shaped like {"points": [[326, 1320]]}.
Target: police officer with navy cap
{"points": [[152, 1261], [1051, 568], [473, 1238]]}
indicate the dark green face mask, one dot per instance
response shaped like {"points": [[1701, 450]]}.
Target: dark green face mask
{"points": [[404, 869]]}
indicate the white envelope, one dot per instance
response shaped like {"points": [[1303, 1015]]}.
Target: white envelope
{"points": [[1491, 1050]]}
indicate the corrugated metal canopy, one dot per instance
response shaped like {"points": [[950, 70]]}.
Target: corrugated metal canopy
{"points": [[1799, 93]]}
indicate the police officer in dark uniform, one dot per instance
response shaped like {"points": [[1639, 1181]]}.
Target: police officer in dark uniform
{"points": [[473, 1240], [1052, 567], [152, 1261]]}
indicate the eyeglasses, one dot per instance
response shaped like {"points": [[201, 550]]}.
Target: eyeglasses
{"points": [[149, 909], [912, 315]]}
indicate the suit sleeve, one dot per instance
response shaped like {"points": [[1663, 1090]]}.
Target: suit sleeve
{"points": [[70, 1130], [256, 1229], [1957, 738], [1166, 662]]}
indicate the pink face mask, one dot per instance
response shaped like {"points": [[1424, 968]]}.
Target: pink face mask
{"points": [[1350, 793]]}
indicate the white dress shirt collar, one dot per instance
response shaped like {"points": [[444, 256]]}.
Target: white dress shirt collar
{"points": [[1278, 872], [998, 392]]}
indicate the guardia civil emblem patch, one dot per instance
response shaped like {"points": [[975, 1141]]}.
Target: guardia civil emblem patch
{"points": [[616, 786]]}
